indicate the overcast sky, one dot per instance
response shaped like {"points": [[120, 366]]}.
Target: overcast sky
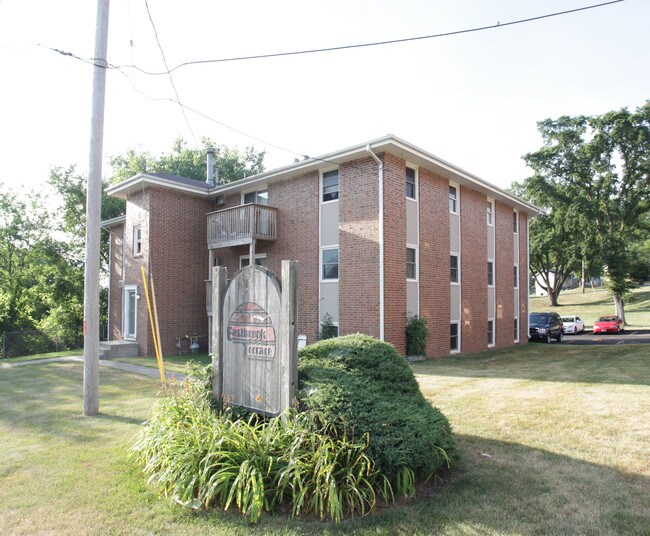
{"points": [[472, 99]]}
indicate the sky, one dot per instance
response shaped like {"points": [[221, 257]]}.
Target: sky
{"points": [[473, 99]]}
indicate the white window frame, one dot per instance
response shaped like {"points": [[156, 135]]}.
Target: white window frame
{"points": [[321, 271], [256, 191], [457, 198], [491, 333], [515, 222], [321, 191], [490, 262], [248, 258], [457, 349], [490, 212], [415, 181], [127, 289], [457, 282], [416, 262], [137, 240]]}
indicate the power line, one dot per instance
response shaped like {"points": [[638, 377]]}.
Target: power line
{"points": [[373, 44], [162, 53]]}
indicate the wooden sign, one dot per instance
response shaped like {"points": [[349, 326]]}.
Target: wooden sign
{"points": [[255, 338]]}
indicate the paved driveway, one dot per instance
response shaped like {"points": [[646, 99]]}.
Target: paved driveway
{"points": [[630, 336]]}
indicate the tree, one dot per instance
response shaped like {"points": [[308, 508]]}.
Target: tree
{"points": [[185, 162], [599, 169]]}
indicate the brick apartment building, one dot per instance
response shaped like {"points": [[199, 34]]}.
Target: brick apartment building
{"points": [[381, 231]]}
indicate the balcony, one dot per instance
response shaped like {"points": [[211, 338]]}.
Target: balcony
{"points": [[241, 225]]}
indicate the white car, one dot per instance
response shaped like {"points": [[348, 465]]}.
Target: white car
{"points": [[572, 324]]}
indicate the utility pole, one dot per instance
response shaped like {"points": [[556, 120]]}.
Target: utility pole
{"points": [[93, 215]]}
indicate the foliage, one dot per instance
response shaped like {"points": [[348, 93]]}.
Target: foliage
{"points": [[185, 162], [362, 386], [598, 169], [202, 458], [416, 335], [39, 283], [327, 328]]}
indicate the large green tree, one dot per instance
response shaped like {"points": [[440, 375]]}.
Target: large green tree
{"points": [[187, 162], [598, 168]]}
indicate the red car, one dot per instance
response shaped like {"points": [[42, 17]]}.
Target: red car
{"points": [[609, 324]]}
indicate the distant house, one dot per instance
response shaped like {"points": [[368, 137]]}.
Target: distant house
{"points": [[381, 231]]}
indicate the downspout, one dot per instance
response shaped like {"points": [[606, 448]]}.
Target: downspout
{"points": [[527, 276], [380, 180], [110, 274]]}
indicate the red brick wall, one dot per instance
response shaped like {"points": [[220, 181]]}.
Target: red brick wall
{"points": [[504, 261], [359, 248], [179, 264], [473, 261], [395, 251], [434, 260], [297, 201], [523, 278]]}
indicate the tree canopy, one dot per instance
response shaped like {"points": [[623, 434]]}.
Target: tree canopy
{"points": [[233, 165], [595, 172]]}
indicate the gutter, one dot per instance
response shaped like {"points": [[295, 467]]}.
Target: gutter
{"points": [[380, 179]]}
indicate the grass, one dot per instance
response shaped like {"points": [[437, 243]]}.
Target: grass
{"points": [[173, 363], [598, 302], [553, 441], [47, 355]]}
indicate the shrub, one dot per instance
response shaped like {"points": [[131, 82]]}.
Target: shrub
{"points": [[363, 386], [327, 328], [416, 335], [200, 458]]}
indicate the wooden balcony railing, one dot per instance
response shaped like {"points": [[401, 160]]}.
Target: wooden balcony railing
{"points": [[240, 225]]}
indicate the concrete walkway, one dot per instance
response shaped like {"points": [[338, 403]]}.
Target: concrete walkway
{"points": [[127, 367]]}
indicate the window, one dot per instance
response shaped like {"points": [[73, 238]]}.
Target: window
{"points": [[245, 260], [330, 263], [515, 222], [516, 276], [453, 337], [490, 273], [453, 268], [410, 183], [330, 186], [137, 240], [490, 333], [490, 213], [411, 263], [516, 330], [452, 199], [261, 197]]}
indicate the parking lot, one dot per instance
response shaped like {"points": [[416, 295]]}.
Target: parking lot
{"points": [[630, 336]]}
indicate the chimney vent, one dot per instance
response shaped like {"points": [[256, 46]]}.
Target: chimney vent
{"points": [[209, 180]]}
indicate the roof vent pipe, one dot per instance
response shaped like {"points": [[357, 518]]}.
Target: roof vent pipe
{"points": [[209, 180]]}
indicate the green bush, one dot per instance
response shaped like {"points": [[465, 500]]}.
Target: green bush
{"points": [[416, 336], [327, 328], [363, 386], [200, 457]]}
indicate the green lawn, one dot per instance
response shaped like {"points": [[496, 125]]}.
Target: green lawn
{"points": [[598, 302], [553, 440]]}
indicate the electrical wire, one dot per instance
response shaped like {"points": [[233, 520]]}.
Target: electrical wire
{"points": [[373, 44], [162, 53]]}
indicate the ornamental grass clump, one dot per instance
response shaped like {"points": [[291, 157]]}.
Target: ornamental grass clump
{"points": [[202, 457], [363, 386]]}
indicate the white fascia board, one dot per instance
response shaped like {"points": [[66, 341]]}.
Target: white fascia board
{"points": [[138, 182], [113, 222]]}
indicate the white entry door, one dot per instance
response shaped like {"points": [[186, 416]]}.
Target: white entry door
{"points": [[130, 311]]}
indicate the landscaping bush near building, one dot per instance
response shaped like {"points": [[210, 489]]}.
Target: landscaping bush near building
{"points": [[363, 386], [361, 433]]}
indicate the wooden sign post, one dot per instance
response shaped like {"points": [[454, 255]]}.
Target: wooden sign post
{"points": [[254, 339]]}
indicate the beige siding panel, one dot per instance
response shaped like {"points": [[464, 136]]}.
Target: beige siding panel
{"points": [[490, 244], [491, 302], [516, 244], [411, 222], [455, 303], [329, 224], [412, 298], [454, 233], [329, 293]]}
